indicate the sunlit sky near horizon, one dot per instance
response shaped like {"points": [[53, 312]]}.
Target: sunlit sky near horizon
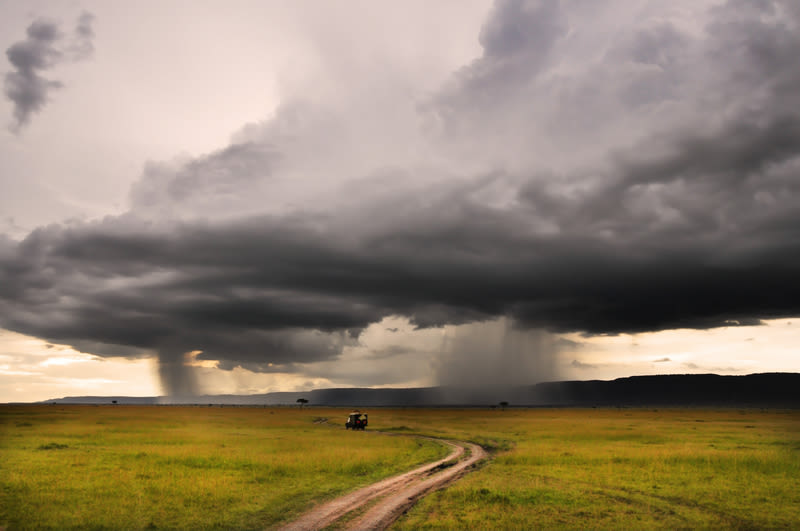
{"points": [[245, 197], [34, 370]]}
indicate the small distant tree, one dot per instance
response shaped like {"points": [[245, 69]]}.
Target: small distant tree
{"points": [[503, 405], [302, 402], [113, 401]]}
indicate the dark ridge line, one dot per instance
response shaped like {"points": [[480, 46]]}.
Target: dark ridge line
{"points": [[753, 390]]}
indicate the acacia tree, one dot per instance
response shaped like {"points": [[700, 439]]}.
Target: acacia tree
{"points": [[302, 402], [504, 405]]}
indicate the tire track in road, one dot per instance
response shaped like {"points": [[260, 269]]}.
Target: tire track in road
{"points": [[397, 502], [397, 493]]}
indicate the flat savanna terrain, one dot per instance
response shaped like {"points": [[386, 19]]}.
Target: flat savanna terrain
{"points": [[164, 467]]}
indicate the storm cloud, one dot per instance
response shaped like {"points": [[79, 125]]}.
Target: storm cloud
{"points": [[43, 48], [650, 184]]}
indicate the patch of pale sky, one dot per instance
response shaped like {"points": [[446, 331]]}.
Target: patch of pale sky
{"points": [[770, 347], [159, 86], [35, 370], [45, 373]]}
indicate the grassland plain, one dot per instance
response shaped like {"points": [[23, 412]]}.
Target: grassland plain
{"points": [[112, 467], [617, 468], [245, 468]]}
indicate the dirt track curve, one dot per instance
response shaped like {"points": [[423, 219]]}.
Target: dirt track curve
{"points": [[397, 494]]}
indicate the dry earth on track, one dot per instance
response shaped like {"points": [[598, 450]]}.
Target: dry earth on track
{"points": [[397, 494]]}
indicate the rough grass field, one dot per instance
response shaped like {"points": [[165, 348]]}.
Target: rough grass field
{"points": [[115, 467], [610, 469], [246, 468]]}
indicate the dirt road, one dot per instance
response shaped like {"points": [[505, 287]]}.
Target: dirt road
{"points": [[396, 494]]}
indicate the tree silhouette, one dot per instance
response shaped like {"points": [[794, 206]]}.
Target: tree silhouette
{"points": [[504, 405], [302, 402]]}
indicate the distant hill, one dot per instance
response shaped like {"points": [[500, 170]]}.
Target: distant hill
{"points": [[754, 390], [769, 389]]}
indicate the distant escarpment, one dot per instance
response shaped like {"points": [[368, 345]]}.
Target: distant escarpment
{"points": [[680, 390]]}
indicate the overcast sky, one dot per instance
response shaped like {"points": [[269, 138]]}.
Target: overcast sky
{"points": [[256, 196]]}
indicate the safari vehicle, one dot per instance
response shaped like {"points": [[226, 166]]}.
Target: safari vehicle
{"points": [[355, 421]]}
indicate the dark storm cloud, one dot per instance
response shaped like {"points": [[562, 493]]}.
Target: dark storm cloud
{"points": [[687, 223], [42, 50]]}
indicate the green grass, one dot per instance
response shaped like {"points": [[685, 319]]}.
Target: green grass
{"points": [[84, 467], [111, 467], [611, 469]]}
